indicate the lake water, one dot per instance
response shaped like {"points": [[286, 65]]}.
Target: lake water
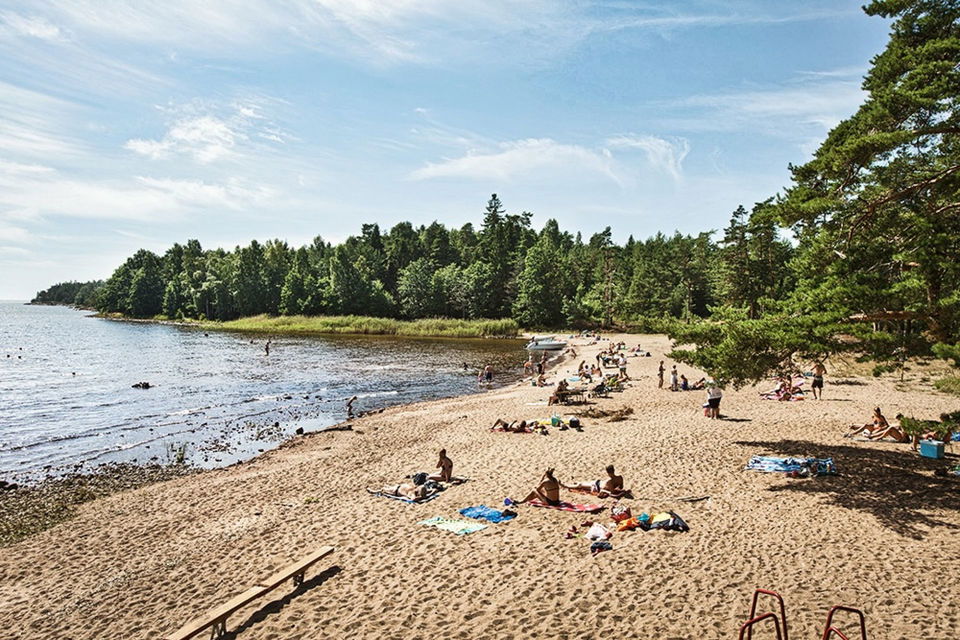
{"points": [[66, 401]]}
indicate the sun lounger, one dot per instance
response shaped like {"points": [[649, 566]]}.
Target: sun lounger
{"points": [[568, 506]]}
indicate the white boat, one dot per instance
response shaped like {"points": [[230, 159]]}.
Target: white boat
{"points": [[546, 344]]}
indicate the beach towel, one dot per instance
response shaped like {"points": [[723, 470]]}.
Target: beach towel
{"points": [[380, 494], [459, 527], [483, 512], [568, 506], [770, 464]]}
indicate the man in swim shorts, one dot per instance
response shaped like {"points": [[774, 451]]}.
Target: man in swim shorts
{"points": [[612, 486], [817, 386]]}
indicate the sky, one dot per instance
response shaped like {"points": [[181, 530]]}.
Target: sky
{"points": [[136, 124]]}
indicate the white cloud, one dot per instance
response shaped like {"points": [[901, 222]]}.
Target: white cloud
{"points": [[30, 26], [205, 138], [514, 159], [200, 132], [662, 154]]}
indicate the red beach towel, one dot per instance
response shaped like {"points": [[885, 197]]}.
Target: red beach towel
{"points": [[568, 506]]}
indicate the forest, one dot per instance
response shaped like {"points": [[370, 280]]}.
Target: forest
{"points": [[860, 253]]}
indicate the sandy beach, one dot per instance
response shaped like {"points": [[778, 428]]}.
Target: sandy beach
{"points": [[882, 536]]}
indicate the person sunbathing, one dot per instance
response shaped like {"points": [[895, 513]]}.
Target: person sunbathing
{"points": [[403, 490], [520, 426], [894, 431], [547, 491], [611, 487], [446, 468], [878, 425]]}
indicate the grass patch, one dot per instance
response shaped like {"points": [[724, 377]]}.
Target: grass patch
{"points": [[364, 325], [950, 384]]}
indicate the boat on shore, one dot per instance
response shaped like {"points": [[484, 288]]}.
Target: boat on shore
{"points": [[549, 343]]}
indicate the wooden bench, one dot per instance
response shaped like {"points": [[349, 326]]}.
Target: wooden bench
{"points": [[216, 619]]}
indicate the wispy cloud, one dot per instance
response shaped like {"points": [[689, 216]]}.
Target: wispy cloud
{"points": [[517, 158], [13, 23], [663, 154], [199, 132]]}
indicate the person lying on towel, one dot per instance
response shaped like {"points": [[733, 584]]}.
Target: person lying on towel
{"points": [[548, 490], [520, 426], [404, 490], [611, 487]]}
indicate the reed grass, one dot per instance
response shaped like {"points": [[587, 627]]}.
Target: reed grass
{"points": [[364, 325]]}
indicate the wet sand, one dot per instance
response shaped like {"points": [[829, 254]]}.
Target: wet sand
{"points": [[883, 536]]}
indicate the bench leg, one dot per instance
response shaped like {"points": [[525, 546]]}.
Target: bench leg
{"points": [[219, 629]]}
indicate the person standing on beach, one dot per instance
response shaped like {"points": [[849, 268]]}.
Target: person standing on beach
{"points": [[266, 347], [817, 387], [674, 378], [713, 400], [660, 376], [622, 363]]}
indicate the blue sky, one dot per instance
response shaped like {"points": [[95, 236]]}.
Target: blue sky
{"points": [[129, 124]]}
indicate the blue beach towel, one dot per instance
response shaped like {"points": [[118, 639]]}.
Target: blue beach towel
{"points": [[483, 512], [459, 527], [770, 464]]}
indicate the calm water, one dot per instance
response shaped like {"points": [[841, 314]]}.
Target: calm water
{"points": [[66, 400]]}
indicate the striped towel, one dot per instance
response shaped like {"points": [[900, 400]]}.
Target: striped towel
{"points": [[771, 464], [459, 527]]}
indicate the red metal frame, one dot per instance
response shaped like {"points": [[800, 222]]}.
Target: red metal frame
{"points": [[783, 611], [828, 628], [748, 625]]}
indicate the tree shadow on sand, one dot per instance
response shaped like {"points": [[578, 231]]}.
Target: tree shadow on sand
{"points": [[896, 486], [276, 606]]}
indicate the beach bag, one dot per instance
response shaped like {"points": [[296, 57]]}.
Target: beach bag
{"points": [[620, 512], [574, 422], [597, 532], [419, 478]]}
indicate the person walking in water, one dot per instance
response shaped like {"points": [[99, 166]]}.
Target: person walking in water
{"points": [[817, 386], [350, 407], [266, 347], [486, 375]]}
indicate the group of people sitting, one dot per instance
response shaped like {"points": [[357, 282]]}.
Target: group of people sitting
{"points": [[421, 485], [785, 390], [879, 428], [548, 489], [685, 385]]}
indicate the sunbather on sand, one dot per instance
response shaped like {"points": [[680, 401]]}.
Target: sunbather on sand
{"points": [[404, 490], [611, 487], [446, 468], [878, 425], [548, 490], [519, 426]]}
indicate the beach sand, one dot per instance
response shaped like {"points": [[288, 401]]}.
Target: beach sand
{"points": [[884, 536]]}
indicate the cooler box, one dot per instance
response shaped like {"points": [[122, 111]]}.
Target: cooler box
{"points": [[931, 448]]}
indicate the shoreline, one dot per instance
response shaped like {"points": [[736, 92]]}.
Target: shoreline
{"points": [[133, 558]]}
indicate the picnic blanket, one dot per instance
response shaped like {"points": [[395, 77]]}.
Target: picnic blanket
{"points": [[568, 506], [459, 527], [771, 464], [380, 494], [483, 512]]}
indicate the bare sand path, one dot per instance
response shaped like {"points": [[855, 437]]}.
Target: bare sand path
{"points": [[884, 536]]}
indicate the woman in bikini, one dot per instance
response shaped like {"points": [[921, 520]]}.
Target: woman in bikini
{"points": [[547, 491]]}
